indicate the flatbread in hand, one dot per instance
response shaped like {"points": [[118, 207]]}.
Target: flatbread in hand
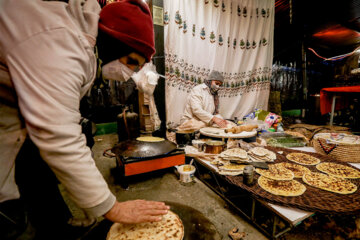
{"points": [[276, 172], [297, 169], [329, 183], [302, 158], [338, 170], [290, 188], [169, 228]]}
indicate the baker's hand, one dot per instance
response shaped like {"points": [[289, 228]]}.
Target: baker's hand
{"points": [[219, 121], [137, 211]]}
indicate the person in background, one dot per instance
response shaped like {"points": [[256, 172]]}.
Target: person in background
{"points": [[203, 102], [47, 64]]}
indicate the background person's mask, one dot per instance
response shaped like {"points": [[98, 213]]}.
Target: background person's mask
{"points": [[215, 87], [115, 70]]}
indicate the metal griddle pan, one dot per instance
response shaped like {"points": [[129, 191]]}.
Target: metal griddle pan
{"points": [[140, 149]]}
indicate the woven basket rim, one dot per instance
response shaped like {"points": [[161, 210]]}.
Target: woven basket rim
{"points": [[318, 137]]}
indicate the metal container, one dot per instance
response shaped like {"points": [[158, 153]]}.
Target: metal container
{"points": [[128, 125], [199, 144], [248, 175], [214, 147], [184, 138]]}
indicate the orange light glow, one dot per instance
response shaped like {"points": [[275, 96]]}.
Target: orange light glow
{"points": [[337, 32]]}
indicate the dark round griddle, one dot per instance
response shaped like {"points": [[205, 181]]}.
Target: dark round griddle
{"points": [[196, 225], [140, 149]]}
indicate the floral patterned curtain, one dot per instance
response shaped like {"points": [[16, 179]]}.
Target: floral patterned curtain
{"points": [[234, 37]]}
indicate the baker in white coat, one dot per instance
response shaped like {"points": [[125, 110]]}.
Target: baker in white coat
{"points": [[203, 102], [47, 64]]}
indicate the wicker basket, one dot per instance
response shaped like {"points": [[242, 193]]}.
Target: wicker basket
{"points": [[343, 147], [309, 130]]}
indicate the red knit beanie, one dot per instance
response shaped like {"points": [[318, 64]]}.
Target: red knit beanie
{"points": [[130, 22]]}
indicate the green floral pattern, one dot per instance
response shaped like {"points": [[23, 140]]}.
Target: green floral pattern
{"points": [[250, 44], [185, 76]]}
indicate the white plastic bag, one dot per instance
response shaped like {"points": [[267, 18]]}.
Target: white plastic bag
{"points": [[146, 79]]}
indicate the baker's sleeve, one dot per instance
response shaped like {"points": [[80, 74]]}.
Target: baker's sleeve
{"points": [[197, 106], [48, 72]]}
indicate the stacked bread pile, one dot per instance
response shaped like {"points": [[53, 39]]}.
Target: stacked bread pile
{"points": [[259, 154], [235, 154], [225, 167], [233, 161]]}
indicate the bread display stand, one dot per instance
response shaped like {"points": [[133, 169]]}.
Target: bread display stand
{"points": [[251, 206]]}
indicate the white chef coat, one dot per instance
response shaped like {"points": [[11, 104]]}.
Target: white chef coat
{"points": [[199, 105], [47, 57]]}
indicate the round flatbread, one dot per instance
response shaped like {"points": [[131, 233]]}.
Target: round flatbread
{"points": [[170, 228], [338, 170], [150, 139], [329, 183], [276, 172], [212, 130], [298, 170], [259, 151], [232, 167], [230, 173], [271, 155], [290, 188], [302, 158]]}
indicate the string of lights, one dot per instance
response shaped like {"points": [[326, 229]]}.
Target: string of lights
{"points": [[336, 57]]}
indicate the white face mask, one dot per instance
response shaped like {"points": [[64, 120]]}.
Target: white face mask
{"points": [[115, 70], [215, 87]]}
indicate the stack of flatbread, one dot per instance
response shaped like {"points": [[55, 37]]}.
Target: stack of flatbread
{"points": [[169, 228], [259, 154], [235, 154], [233, 161], [231, 169], [225, 167]]}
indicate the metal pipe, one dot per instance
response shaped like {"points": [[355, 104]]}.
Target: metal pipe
{"points": [[332, 110], [304, 76]]}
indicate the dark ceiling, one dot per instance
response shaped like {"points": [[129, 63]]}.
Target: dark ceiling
{"points": [[330, 26]]}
